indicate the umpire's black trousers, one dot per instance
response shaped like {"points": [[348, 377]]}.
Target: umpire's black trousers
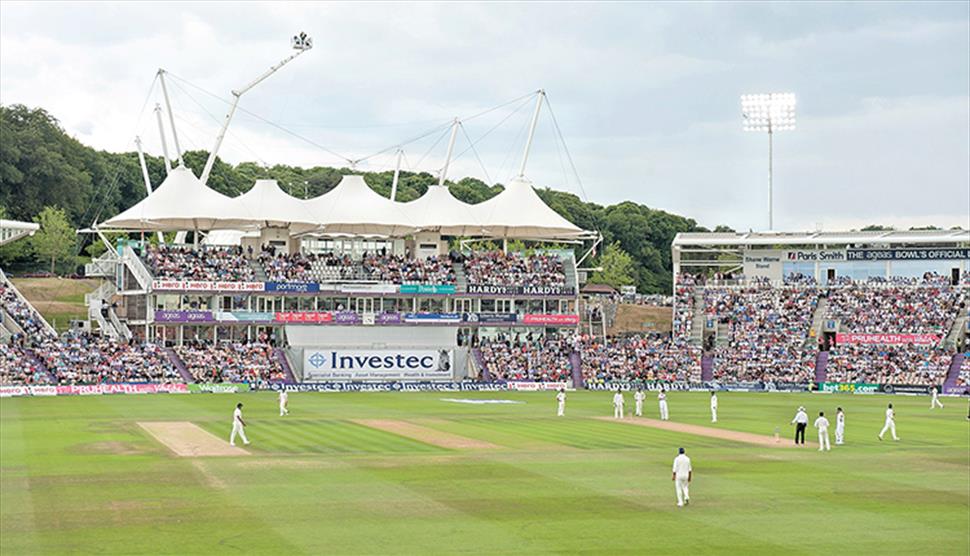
{"points": [[800, 432]]}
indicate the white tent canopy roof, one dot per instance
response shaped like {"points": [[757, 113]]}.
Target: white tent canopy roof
{"points": [[518, 212], [440, 211], [354, 208], [272, 206], [181, 202]]}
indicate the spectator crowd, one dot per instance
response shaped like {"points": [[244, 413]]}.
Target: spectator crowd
{"points": [[495, 268]]}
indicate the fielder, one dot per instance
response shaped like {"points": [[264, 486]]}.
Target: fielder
{"points": [[284, 398], [713, 406], [935, 391], [822, 424], [238, 426], [839, 427], [618, 404], [561, 398], [638, 398], [890, 423], [681, 477], [662, 399]]}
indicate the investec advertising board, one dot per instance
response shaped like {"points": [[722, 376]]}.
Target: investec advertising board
{"points": [[390, 364]]}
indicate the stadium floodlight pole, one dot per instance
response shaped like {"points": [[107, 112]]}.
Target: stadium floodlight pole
{"points": [[451, 149], [540, 95], [301, 43], [171, 116], [144, 175], [161, 132], [769, 112], [397, 173]]}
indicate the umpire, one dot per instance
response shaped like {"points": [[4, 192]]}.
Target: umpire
{"points": [[801, 423]]}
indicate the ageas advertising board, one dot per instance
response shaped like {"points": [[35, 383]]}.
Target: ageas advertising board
{"points": [[389, 364]]}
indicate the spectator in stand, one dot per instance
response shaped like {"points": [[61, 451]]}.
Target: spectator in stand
{"points": [[528, 357], [640, 358], [494, 268], [882, 364], [232, 362], [897, 305], [212, 264]]}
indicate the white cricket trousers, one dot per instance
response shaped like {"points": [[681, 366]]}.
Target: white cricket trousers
{"points": [[891, 427], [713, 414], [839, 435], [639, 409], [240, 430], [936, 402], [664, 414], [823, 440], [283, 410], [617, 411], [562, 409], [681, 485]]}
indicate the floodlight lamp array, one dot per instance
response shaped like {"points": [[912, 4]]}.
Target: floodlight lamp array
{"points": [[768, 112]]}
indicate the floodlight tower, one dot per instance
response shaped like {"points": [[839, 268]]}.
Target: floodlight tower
{"points": [[769, 112], [301, 43]]}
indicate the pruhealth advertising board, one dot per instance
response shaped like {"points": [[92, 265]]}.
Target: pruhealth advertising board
{"points": [[389, 364]]}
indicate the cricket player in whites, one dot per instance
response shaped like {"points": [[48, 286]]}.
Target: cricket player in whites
{"points": [[662, 398], [935, 391], [713, 406], [561, 398], [284, 398], [839, 427], [638, 397], [890, 423], [822, 424], [238, 426], [681, 477], [618, 404]]}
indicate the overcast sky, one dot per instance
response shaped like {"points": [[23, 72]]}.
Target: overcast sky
{"points": [[646, 95]]}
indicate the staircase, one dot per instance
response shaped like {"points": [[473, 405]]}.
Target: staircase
{"points": [[461, 281], [723, 334], [103, 266], [953, 335], [483, 373], [40, 365], [821, 308], [707, 367], [259, 271], [137, 267], [179, 365], [280, 356], [821, 367], [697, 320], [577, 366], [37, 315], [569, 266], [950, 383]]}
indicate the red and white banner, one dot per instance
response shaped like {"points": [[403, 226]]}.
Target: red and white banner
{"points": [[534, 386], [200, 286], [888, 339], [97, 389], [11, 391], [550, 319], [303, 316]]}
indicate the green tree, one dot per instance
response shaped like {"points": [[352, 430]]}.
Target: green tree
{"points": [[617, 268], [55, 240]]}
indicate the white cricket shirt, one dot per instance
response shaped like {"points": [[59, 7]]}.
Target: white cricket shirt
{"points": [[682, 466]]}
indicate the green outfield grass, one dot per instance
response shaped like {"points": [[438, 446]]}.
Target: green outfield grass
{"points": [[79, 476]]}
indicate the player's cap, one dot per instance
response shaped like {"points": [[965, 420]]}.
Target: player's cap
{"points": [[680, 450]]}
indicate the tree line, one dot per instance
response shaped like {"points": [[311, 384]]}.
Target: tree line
{"points": [[50, 177]]}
